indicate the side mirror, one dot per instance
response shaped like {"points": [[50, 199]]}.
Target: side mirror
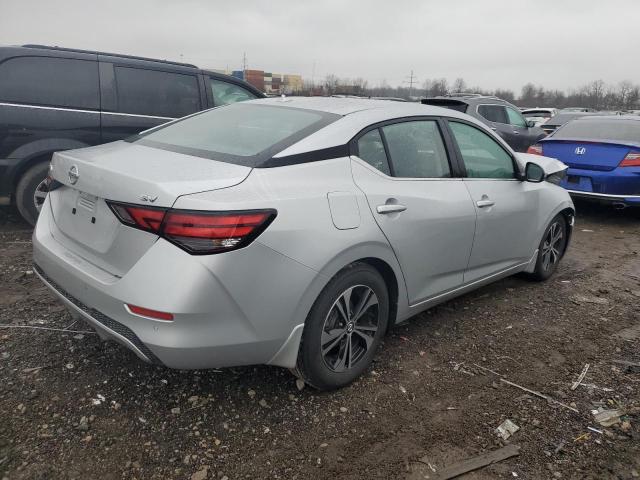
{"points": [[531, 123], [533, 173]]}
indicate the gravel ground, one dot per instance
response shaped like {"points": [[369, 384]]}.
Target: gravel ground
{"points": [[73, 407]]}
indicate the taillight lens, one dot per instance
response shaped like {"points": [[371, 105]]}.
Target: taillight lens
{"points": [[197, 232], [535, 149], [631, 160]]}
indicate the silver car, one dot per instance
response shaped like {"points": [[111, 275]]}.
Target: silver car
{"points": [[292, 232]]}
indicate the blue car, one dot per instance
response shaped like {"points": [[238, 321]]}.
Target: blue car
{"points": [[603, 156]]}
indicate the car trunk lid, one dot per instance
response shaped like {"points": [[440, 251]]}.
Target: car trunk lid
{"points": [[586, 155], [125, 173]]}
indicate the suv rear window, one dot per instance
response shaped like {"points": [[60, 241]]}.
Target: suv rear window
{"points": [[605, 129], [57, 82], [156, 93], [241, 133]]}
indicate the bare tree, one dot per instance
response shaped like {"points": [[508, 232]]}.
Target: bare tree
{"points": [[459, 85], [331, 83]]}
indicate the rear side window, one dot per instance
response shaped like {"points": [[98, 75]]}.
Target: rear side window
{"points": [[225, 93], [609, 129], [416, 150], [371, 150], [57, 82], [483, 157], [156, 93], [493, 113]]}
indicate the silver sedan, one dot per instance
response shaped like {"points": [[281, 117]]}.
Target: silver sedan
{"points": [[292, 232]]}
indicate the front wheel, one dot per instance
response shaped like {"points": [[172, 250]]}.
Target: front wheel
{"points": [[344, 328], [551, 249]]}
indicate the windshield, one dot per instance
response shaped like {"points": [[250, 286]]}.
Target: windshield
{"points": [[605, 129], [241, 133]]}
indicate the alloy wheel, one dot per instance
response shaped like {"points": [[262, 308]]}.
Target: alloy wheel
{"points": [[40, 194], [349, 328], [551, 246]]}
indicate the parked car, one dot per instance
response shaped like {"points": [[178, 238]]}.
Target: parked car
{"points": [[538, 115], [55, 99], [579, 109], [603, 155], [292, 232], [561, 118], [501, 116]]}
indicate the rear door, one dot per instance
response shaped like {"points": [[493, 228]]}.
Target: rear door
{"points": [[424, 211], [505, 233], [136, 98]]}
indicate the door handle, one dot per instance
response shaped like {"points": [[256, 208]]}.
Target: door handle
{"points": [[485, 203], [390, 208], [516, 132], [494, 128]]}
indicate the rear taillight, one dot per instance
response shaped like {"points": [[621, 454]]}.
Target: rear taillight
{"points": [[535, 149], [197, 232], [631, 160]]}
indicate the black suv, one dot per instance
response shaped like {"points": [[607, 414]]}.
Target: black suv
{"points": [[504, 118], [55, 99]]}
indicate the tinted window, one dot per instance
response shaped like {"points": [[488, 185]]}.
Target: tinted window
{"points": [[242, 133], [609, 129], [371, 150], [515, 118], [225, 93], [416, 150], [493, 113], [151, 92], [483, 157], [58, 82]]}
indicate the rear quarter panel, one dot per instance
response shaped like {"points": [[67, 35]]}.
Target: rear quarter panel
{"points": [[304, 229]]}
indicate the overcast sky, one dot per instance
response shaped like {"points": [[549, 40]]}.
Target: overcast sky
{"points": [[490, 43]]}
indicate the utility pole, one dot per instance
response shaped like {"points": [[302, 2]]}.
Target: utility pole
{"points": [[244, 61], [411, 81]]}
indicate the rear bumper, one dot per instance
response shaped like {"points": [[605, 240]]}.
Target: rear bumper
{"points": [[236, 308], [621, 185], [630, 200]]}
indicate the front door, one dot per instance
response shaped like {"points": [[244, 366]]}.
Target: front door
{"points": [[427, 216], [505, 233]]}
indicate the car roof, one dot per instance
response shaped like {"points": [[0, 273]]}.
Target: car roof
{"points": [[609, 117], [357, 114]]}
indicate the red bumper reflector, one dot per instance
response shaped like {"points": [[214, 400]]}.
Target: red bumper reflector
{"points": [[147, 312]]}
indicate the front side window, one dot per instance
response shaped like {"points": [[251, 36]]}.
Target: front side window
{"points": [[371, 150], [515, 118], [58, 82], [483, 157], [493, 113], [417, 150], [156, 93], [225, 93]]}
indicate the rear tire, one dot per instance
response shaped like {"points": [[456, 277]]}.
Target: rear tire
{"points": [[551, 249], [31, 192], [344, 328]]}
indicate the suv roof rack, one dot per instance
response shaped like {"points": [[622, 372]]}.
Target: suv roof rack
{"points": [[133, 57]]}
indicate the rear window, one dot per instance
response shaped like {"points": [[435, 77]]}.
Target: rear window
{"points": [[156, 93], [241, 133], [58, 82], [537, 113], [621, 130]]}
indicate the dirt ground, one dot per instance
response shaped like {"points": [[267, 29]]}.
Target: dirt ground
{"points": [[73, 407]]}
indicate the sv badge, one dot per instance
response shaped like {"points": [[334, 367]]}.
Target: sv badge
{"points": [[148, 198]]}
